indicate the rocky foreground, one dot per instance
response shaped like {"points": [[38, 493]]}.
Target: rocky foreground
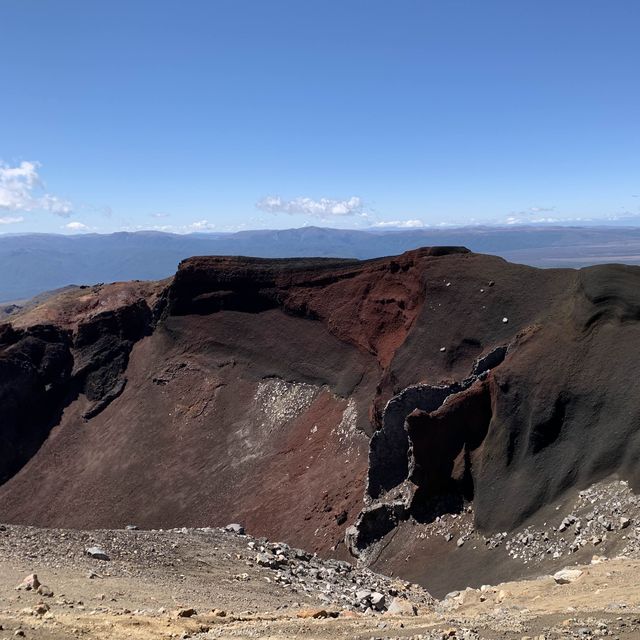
{"points": [[217, 583]]}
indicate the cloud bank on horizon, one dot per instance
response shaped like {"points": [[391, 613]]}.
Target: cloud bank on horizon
{"points": [[23, 192]]}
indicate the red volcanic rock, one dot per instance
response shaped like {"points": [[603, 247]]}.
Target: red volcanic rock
{"points": [[277, 392]]}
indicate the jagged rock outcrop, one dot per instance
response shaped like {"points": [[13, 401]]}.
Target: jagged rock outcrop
{"points": [[422, 451]]}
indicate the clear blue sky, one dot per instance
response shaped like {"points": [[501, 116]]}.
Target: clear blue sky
{"points": [[228, 113]]}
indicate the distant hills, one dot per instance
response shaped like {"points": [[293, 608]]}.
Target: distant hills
{"points": [[33, 263]]}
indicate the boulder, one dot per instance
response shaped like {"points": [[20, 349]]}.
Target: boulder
{"points": [[402, 607], [565, 576]]}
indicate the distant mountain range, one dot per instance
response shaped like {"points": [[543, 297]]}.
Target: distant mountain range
{"points": [[34, 263]]}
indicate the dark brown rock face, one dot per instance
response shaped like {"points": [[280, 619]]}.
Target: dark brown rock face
{"points": [[276, 393], [35, 368], [44, 368]]}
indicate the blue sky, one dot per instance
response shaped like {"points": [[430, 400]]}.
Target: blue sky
{"points": [[228, 114]]}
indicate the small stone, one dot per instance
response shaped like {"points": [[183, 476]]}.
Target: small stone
{"points": [[97, 553], [131, 527], [31, 582], [266, 560], [460, 542], [316, 613], [236, 528], [505, 320], [624, 522], [363, 594], [186, 613], [377, 600], [43, 590], [41, 608], [502, 595]]}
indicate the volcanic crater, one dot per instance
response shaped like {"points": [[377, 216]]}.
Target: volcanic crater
{"points": [[327, 403]]}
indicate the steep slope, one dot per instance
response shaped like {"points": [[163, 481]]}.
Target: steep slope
{"points": [[279, 392]]}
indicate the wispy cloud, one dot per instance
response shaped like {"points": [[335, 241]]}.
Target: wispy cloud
{"points": [[400, 224], [198, 225], [532, 215], [21, 189], [322, 208], [11, 219], [159, 214]]}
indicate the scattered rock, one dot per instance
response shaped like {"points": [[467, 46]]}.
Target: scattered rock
{"points": [[186, 613]]}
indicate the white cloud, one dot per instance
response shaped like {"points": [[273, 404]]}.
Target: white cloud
{"points": [[322, 208], [200, 225], [11, 219], [159, 215], [532, 215], [76, 226], [400, 224], [21, 189]]}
